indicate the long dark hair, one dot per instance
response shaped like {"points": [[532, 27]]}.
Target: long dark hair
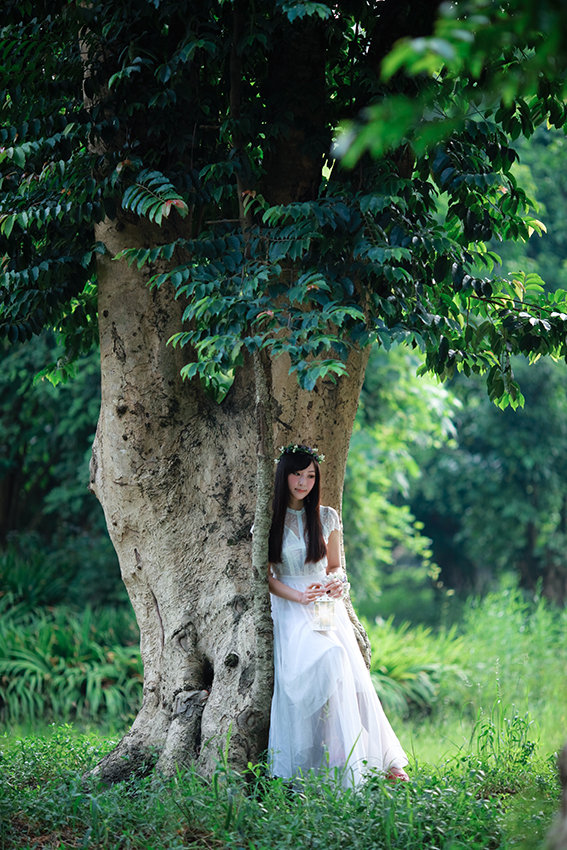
{"points": [[316, 548]]}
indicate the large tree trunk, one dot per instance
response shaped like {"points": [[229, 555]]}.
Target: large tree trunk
{"points": [[175, 473]]}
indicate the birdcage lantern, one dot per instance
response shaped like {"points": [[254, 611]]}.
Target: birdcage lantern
{"points": [[323, 614]]}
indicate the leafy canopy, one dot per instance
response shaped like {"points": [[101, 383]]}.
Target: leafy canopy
{"points": [[210, 125]]}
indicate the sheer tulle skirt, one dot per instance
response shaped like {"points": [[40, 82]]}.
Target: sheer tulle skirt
{"points": [[325, 711]]}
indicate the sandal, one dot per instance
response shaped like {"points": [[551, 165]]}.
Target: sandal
{"points": [[397, 774]]}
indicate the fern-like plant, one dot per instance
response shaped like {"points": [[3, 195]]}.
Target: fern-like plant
{"points": [[57, 664], [411, 664]]}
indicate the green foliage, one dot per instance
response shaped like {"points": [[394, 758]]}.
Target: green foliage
{"points": [[482, 58], [503, 486], [31, 759], [410, 663], [59, 664], [46, 278], [399, 415], [512, 653], [449, 806], [297, 9], [46, 436], [33, 578], [511, 639], [153, 196], [491, 500], [506, 721], [233, 811], [502, 739], [538, 170], [395, 251], [50, 525]]}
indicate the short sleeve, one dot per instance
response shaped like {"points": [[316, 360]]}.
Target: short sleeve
{"points": [[329, 521]]}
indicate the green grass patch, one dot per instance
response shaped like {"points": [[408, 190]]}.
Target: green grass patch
{"points": [[511, 659], [480, 709], [485, 798]]}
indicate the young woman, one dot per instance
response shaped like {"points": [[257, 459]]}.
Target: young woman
{"points": [[325, 712]]}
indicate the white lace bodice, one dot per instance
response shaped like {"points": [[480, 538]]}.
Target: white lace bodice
{"points": [[294, 547]]}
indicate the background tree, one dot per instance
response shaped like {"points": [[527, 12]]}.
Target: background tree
{"points": [[538, 169], [189, 143], [503, 480], [46, 512], [400, 419], [503, 485]]}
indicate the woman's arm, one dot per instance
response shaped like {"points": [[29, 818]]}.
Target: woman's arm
{"points": [[279, 588], [334, 587], [333, 553]]}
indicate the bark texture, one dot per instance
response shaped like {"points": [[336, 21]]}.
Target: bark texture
{"points": [[176, 473]]}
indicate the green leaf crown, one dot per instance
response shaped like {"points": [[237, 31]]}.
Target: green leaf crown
{"points": [[292, 448]]}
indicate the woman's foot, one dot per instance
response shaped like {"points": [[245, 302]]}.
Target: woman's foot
{"points": [[397, 774]]}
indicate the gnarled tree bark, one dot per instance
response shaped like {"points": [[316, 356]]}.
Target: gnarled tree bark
{"points": [[176, 474]]}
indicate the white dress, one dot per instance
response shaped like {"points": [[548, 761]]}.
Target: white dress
{"points": [[325, 711]]}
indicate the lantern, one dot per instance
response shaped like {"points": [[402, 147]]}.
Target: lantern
{"points": [[323, 614]]}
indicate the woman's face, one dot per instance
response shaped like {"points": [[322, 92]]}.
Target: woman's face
{"points": [[300, 484]]}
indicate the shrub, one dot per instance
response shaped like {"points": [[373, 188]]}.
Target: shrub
{"points": [[57, 663], [411, 664]]}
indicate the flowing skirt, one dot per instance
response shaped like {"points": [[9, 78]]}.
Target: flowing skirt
{"points": [[325, 711]]}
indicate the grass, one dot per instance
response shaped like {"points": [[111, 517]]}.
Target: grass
{"points": [[413, 666], [477, 800], [481, 712], [512, 653], [45, 802]]}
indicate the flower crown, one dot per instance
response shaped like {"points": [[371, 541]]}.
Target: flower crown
{"points": [[306, 450]]}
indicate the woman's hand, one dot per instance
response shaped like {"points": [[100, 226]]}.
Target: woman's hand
{"points": [[311, 593], [334, 588]]}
